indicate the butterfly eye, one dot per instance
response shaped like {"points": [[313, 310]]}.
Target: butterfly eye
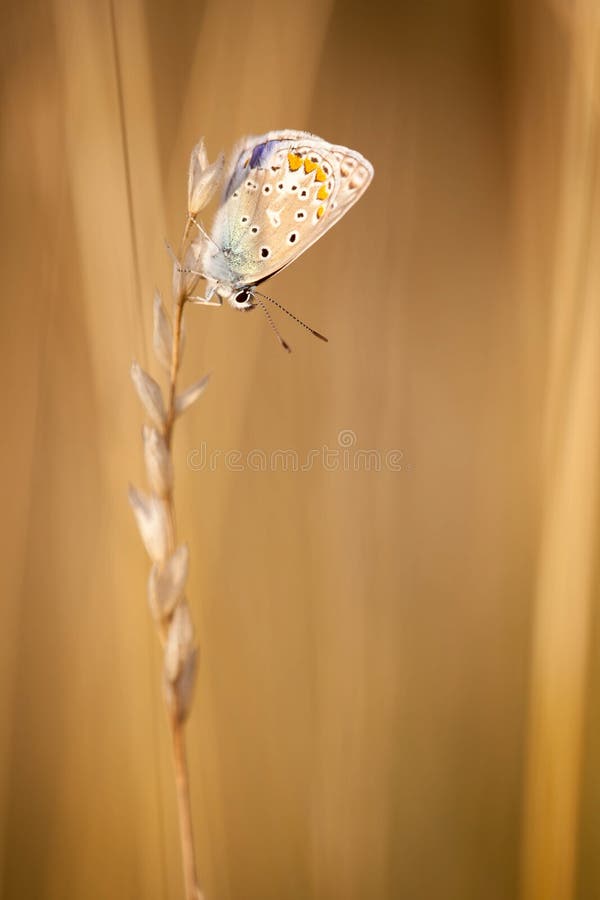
{"points": [[242, 297]]}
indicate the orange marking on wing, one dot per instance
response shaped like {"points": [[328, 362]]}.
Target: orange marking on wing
{"points": [[294, 161], [320, 176], [320, 211], [309, 165], [322, 193]]}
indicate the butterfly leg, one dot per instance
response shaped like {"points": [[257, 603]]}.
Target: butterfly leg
{"points": [[204, 301], [183, 270], [207, 238]]}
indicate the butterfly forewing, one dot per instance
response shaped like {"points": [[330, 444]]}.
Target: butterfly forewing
{"points": [[282, 192]]}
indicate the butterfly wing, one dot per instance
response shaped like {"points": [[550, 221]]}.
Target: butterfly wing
{"points": [[282, 192]]}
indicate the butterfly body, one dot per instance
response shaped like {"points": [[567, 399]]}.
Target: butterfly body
{"points": [[281, 192]]}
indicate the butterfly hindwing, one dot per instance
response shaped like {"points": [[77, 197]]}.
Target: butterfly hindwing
{"points": [[282, 192]]}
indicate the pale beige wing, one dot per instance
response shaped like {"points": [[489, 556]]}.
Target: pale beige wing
{"points": [[282, 192]]}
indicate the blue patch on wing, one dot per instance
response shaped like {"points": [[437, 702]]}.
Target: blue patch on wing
{"points": [[261, 152], [258, 159]]}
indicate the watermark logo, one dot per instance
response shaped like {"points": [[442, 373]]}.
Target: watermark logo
{"points": [[344, 456]]}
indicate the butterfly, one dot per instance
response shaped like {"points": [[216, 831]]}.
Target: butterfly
{"points": [[281, 192]]}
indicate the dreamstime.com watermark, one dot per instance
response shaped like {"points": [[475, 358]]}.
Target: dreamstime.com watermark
{"points": [[347, 456]]}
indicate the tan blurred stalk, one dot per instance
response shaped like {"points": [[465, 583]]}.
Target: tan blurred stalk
{"points": [[117, 208], [568, 536]]}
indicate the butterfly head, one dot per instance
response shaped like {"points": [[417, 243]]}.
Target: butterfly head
{"points": [[243, 298], [238, 296]]}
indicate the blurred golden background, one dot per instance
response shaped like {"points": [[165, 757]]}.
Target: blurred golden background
{"points": [[399, 675]]}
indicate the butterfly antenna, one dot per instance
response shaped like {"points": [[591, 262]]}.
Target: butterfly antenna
{"points": [[291, 315], [273, 326]]}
